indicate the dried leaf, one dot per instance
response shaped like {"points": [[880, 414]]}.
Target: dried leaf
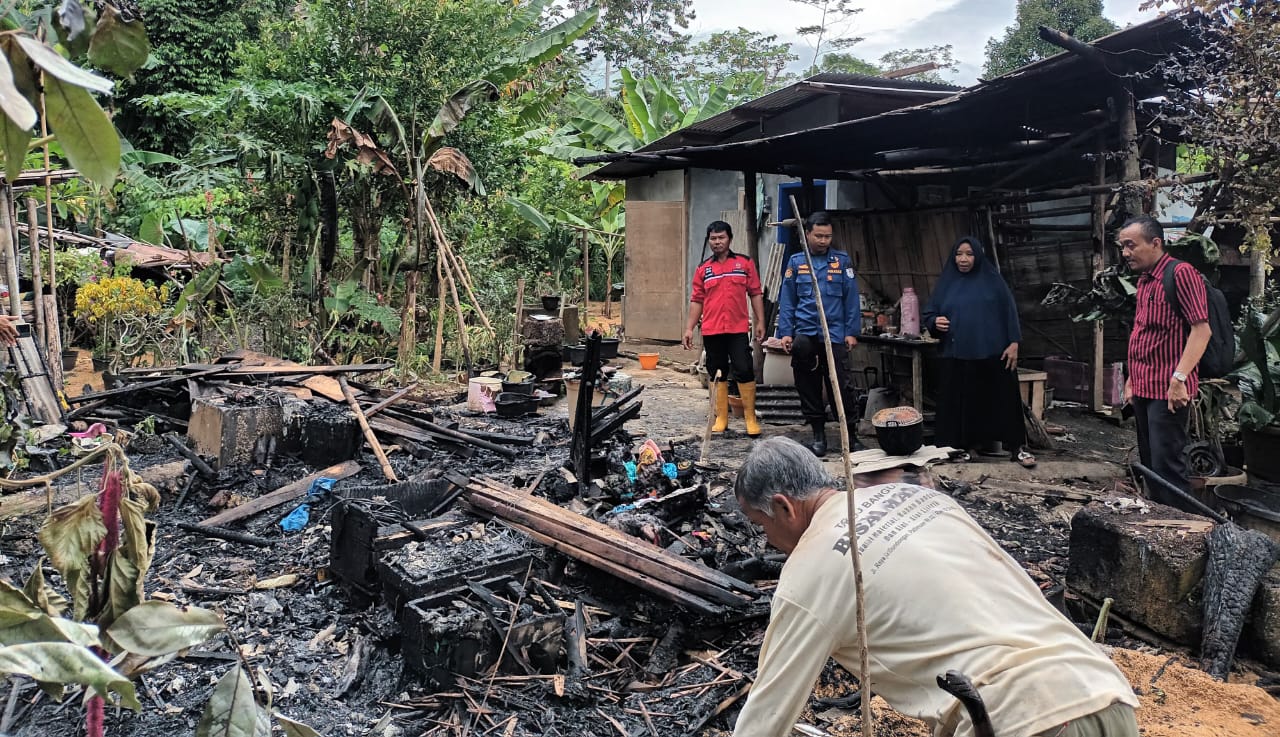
{"points": [[279, 582], [232, 711], [367, 150], [69, 536], [41, 594], [61, 662], [44, 628], [453, 161], [159, 628], [15, 104], [295, 729]]}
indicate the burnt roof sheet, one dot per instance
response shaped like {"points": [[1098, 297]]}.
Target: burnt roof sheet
{"points": [[1046, 96]]}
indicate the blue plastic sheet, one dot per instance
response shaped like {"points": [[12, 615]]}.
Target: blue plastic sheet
{"points": [[301, 514]]}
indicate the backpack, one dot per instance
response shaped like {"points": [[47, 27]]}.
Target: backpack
{"points": [[1219, 355]]}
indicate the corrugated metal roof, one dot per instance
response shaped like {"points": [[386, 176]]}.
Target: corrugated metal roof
{"points": [[995, 110]]}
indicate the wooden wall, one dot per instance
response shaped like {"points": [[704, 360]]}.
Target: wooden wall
{"points": [[895, 250], [655, 302], [891, 251]]}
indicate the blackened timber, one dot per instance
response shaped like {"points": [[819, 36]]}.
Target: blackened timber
{"points": [[580, 447], [609, 409], [562, 518], [426, 432], [221, 533], [608, 426], [646, 582], [375, 409], [200, 465], [94, 396]]}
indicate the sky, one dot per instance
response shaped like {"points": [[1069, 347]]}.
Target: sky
{"points": [[891, 24]]}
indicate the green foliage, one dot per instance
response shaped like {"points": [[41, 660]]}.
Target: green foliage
{"points": [[1021, 43], [732, 58], [650, 36], [1258, 376]]}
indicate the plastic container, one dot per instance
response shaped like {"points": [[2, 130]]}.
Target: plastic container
{"points": [[910, 312], [481, 392], [571, 399], [648, 361]]}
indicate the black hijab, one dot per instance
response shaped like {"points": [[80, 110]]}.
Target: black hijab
{"points": [[978, 304]]}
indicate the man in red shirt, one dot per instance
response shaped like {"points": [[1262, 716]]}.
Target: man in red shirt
{"points": [[1164, 350], [721, 286]]}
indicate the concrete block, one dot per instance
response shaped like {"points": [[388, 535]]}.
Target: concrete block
{"points": [[236, 431], [1150, 564], [1261, 636]]}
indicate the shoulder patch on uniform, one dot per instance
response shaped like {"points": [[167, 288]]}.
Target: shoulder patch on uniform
{"points": [[789, 273], [849, 272]]}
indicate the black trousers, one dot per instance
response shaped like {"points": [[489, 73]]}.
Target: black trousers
{"points": [[1162, 440], [729, 353], [809, 364]]}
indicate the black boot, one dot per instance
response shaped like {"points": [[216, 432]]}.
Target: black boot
{"points": [[819, 445]]}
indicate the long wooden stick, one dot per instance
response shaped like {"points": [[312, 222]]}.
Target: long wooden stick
{"points": [[368, 431], [515, 338], [37, 277], [711, 420], [864, 657]]}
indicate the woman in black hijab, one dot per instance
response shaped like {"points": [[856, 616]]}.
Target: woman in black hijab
{"points": [[972, 311]]}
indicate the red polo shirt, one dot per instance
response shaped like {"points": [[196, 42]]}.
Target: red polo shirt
{"points": [[722, 288], [1159, 334]]}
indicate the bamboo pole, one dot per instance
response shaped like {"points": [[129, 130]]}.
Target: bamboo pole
{"points": [[454, 263], [586, 279], [515, 337], [52, 315], [864, 657], [9, 244], [439, 347], [37, 275], [368, 431]]}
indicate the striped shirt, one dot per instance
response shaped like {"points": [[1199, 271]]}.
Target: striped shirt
{"points": [[1159, 334]]}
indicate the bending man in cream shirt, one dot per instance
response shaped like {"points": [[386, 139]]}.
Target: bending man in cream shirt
{"points": [[940, 595]]}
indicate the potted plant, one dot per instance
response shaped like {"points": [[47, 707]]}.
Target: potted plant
{"points": [[1258, 378], [105, 305], [548, 288], [74, 267]]}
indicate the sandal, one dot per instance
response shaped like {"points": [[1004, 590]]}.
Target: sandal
{"points": [[1025, 459]]}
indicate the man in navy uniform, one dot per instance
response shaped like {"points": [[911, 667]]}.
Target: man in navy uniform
{"points": [[800, 328]]}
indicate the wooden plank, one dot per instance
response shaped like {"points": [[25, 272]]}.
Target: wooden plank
{"points": [[375, 409], [560, 515], [283, 495], [641, 580], [612, 550]]}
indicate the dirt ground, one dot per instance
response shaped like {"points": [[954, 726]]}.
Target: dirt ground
{"points": [[336, 664]]}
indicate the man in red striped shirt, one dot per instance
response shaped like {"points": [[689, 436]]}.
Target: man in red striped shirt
{"points": [[1164, 349]]}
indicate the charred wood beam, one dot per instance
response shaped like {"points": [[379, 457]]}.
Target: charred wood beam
{"points": [[912, 156], [1039, 214], [1070, 144], [609, 409], [607, 427], [1075, 46], [836, 87]]}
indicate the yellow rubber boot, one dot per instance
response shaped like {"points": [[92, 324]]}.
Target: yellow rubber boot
{"points": [[747, 390], [721, 395]]}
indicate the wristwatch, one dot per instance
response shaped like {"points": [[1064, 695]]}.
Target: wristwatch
{"points": [[1180, 376]]}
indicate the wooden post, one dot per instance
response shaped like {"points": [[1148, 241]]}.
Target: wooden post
{"points": [[515, 333], [37, 272], [1130, 201], [750, 205], [52, 315], [586, 279], [9, 249], [1099, 222], [439, 347]]}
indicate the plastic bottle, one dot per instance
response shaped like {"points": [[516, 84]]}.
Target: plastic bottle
{"points": [[910, 317]]}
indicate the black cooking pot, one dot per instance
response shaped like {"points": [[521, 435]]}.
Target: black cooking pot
{"points": [[609, 348], [575, 354], [900, 430], [518, 387], [513, 404]]}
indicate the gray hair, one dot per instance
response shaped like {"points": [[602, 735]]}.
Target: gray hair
{"points": [[779, 466]]}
